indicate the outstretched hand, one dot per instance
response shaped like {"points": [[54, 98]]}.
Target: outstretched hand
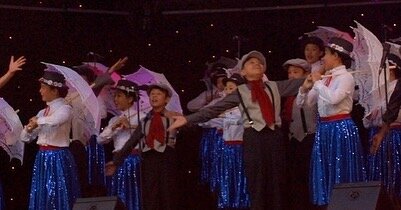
{"points": [[16, 65], [179, 121], [118, 65]]}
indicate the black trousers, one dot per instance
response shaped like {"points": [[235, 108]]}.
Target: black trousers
{"points": [[159, 180], [264, 160], [79, 153], [299, 166]]}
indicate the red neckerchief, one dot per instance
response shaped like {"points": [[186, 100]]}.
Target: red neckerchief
{"points": [[259, 95], [156, 130], [287, 109]]}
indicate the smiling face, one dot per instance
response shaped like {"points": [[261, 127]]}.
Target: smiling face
{"points": [[48, 93], [253, 69], [312, 53], [122, 100], [158, 99]]}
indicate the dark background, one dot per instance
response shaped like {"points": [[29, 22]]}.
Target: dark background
{"points": [[174, 37]]}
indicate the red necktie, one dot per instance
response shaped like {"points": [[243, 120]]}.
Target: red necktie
{"points": [[287, 111], [259, 95], [156, 130]]}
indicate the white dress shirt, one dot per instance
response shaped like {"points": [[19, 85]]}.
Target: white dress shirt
{"points": [[233, 129], [118, 135], [54, 128], [336, 98]]}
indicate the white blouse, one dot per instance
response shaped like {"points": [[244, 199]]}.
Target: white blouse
{"points": [[336, 98], [53, 129], [118, 135]]}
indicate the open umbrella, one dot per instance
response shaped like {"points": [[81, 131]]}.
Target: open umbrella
{"points": [[326, 33], [77, 85], [367, 54], [145, 76], [10, 130]]}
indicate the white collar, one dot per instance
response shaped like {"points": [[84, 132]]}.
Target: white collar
{"points": [[130, 111], [338, 70], [55, 102]]}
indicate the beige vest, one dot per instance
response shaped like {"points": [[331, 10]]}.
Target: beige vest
{"points": [[254, 109]]}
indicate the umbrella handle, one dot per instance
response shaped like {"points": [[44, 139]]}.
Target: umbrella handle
{"points": [[118, 65], [351, 72]]}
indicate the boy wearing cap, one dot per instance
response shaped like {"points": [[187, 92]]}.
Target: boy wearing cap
{"points": [[337, 155], [54, 178], [125, 182], [384, 162], [159, 163], [264, 153], [301, 124]]}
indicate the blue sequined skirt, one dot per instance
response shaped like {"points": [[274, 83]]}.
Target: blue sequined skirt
{"points": [[207, 144], [54, 181], [96, 161], [233, 191], [216, 161], [385, 164], [337, 157], [125, 183]]}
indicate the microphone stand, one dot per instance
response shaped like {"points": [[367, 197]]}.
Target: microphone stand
{"points": [[386, 49]]}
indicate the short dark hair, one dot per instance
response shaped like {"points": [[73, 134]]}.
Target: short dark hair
{"points": [[313, 40], [133, 95], [215, 75], [62, 91], [152, 87], [345, 59]]}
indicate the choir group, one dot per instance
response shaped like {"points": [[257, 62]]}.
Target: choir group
{"points": [[265, 144]]}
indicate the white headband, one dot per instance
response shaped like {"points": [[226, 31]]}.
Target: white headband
{"points": [[339, 48], [51, 82], [125, 88]]}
